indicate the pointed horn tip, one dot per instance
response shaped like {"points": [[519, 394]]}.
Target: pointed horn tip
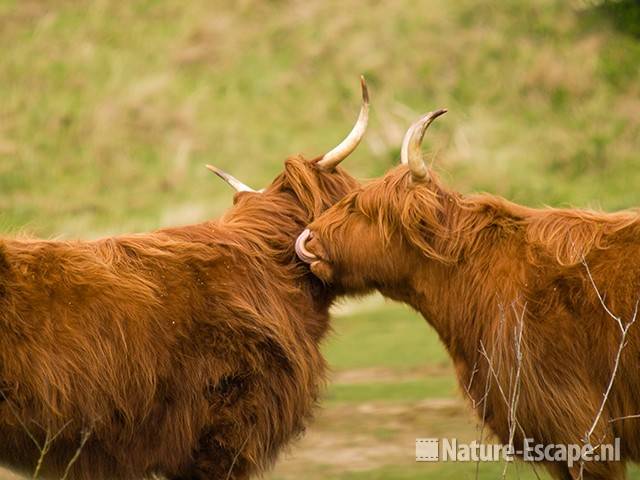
{"points": [[217, 171], [365, 90], [412, 141], [426, 121], [331, 159], [433, 115], [236, 184]]}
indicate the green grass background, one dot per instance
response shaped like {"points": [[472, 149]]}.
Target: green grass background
{"points": [[109, 110]]}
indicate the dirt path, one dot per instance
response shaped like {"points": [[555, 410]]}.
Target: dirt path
{"points": [[7, 475], [367, 436]]}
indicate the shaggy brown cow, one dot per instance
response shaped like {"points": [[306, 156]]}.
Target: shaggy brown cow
{"points": [[532, 305], [190, 352]]}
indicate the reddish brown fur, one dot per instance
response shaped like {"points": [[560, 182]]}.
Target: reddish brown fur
{"points": [[189, 352], [472, 265]]}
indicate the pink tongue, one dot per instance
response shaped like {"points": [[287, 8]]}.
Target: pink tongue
{"points": [[301, 251]]}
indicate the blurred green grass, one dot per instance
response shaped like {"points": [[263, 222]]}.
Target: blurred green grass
{"points": [[388, 336], [109, 110], [404, 391]]}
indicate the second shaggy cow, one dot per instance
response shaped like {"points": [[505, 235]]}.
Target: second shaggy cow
{"points": [[535, 307]]}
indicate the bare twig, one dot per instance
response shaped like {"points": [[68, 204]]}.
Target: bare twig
{"points": [[83, 440], [43, 453], [487, 388], [514, 387], [604, 305], [511, 400], [20, 421], [237, 455], [484, 353], [626, 417], [48, 441], [624, 330]]}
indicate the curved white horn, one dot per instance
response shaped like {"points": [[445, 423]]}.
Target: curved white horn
{"points": [[301, 250], [331, 159], [236, 184], [411, 154]]}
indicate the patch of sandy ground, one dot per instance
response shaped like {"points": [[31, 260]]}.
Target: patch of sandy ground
{"points": [[371, 435]]}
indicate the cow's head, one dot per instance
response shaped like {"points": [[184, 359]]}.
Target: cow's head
{"points": [[379, 233], [299, 194]]}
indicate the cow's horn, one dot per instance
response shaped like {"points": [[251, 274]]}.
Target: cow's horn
{"points": [[301, 249], [411, 153], [331, 159], [231, 180]]}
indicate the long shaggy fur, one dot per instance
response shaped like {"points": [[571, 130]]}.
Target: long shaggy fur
{"points": [[190, 352], [479, 268]]}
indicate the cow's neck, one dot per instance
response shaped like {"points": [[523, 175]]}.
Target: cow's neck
{"points": [[472, 302]]}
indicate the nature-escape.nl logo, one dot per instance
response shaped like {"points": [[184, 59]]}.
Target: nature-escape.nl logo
{"points": [[449, 449]]}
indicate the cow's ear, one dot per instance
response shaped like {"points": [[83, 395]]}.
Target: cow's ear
{"points": [[239, 196], [322, 270]]}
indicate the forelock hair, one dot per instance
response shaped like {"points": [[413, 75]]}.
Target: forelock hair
{"points": [[270, 221], [315, 190]]}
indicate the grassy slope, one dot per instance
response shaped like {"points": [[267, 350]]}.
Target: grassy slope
{"points": [[108, 110]]}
